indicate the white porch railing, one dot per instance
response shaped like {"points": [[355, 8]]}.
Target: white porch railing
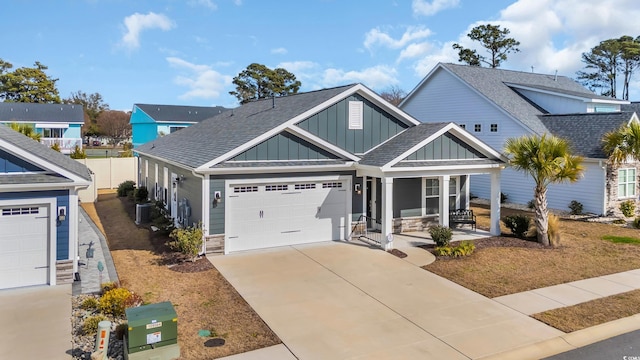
{"points": [[67, 145]]}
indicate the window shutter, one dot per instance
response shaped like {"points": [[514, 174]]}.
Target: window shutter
{"points": [[355, 115]]}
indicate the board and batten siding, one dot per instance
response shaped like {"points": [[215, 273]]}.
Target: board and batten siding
{"points": [[445, 147], [216, 209], [284, 146], [555, 104], [444, 98], [589, 190], [332, 125]]}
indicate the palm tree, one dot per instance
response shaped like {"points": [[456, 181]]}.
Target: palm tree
{"points": [[548, 160], [623, 143], [27, 130]]}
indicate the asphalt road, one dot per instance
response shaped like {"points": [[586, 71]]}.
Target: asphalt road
{"points": [[622, 347]]}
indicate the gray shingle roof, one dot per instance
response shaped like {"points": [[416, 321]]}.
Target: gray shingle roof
{"points": [[492, 84], [584, 93], [54, 113], [633, 107], [11, 179], [585, 131], [200, 143], [404, 141], [43, 152], [179, 113]]}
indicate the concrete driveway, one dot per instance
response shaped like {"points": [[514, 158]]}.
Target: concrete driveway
{"points": [[36, 323], [347, 301]]}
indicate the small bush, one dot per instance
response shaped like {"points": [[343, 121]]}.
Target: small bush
{"points": [[78, 153], [636, 222], [441, 235], [628, 208], [503, 198], [554, 230], [115, 301], [90, 325], [141, 195], [575, 207], [619, 221], [126, 187], [161, 218], [518, 224], [531, 204], [464, 248], [89, 303], [187, 241], [55, 147], [443, 250]]}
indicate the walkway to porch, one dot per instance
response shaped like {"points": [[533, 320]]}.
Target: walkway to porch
{"points": [[408, 243]]}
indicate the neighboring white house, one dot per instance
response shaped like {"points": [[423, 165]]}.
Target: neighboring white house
{"points": [[495, 104]]}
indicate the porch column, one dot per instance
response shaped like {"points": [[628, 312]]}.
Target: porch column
{"points": [[364, 198], [387, 213], [444, 200], [495, 203]]}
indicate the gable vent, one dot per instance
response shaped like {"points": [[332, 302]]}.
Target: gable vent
{"points": [[355, 115]]}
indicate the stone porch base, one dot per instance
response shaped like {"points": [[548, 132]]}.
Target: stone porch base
{"points": [[417, 223]]}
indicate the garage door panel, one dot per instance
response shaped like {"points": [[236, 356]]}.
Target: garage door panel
{"points": [[24, 248], [293, 213]]}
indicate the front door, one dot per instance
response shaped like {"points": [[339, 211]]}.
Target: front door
{"points": [[372, 205]]}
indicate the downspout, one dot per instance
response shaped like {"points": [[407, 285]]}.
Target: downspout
{"points": [[205, 209], [604, 188]]}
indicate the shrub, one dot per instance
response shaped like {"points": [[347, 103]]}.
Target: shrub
{"points": [[619, 221], [78, 153], [628, 208], [464, 248], [636, 222], [90, 325], [503, 198], [141, 194], [554, 230], [441, 235], [531, 204], [187, 241], [443, 250], [161, 218], [89, 303], [126, 187], [115, 301], [575, 207], [518, 224], [55, 147]]}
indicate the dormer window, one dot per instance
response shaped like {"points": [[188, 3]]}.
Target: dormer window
{"points": [[355, 115]]}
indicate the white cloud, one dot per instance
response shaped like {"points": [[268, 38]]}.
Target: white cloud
{"points": [[279, 51], [206, 3], [203, 82], [415, 50], [379, 37], [424, 7], [376, 77], [137, 22]]}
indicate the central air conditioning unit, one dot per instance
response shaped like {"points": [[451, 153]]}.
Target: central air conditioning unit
{"points": [[143, 213]]}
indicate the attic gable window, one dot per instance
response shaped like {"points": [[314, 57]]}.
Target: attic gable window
{"points": [[355, 115]]}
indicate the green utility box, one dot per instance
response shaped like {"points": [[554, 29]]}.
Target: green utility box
{"points": [[151, 326]]}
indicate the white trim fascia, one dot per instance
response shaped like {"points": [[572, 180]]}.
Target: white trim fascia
{"points": [[278, 169], [43, 186], [368, 170], [56, 125], [634, 117], [303, 134], [455, 168], [357, 88], [476, 143], [440, 170], [21, 153], [53, 237], [180, 122], [163, 160]]}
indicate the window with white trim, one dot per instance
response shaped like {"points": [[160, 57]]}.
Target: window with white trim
{"points": [[278, 187], [626, 183], [52, 133], [494, 128], [477, 127], [245, 189], [305, 186], [453, 193], [20, 211], [464, 126], [432, 196], [356, 109]]}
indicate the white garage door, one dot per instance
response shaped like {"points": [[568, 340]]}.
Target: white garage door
{"points": [[287, 213], [24, 242]]}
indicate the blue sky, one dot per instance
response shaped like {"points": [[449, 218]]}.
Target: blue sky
{"points": [[186, 52]]}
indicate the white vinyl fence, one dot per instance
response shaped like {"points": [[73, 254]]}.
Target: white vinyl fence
{"points": [[108, 174]]}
